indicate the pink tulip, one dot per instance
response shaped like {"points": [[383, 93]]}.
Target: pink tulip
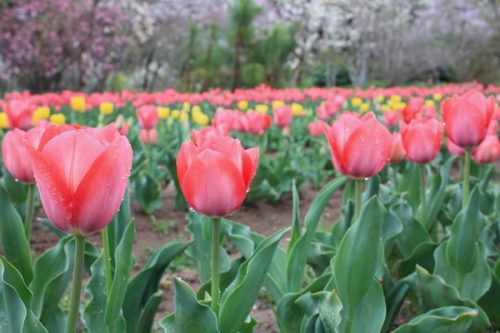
{"points": [[148, 116], [467, 118], [422, 139], [81, 176], [283, 116], [391, 117], [315, 128], [397, 149], [360, 147], [215, 174], [19, 113], [488, 150]]}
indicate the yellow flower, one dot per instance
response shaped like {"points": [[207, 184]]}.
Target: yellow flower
{"points": [[399, 106], [184, 116], [106, 108], [41, 113], [78, 103], [200, 118], [364, 107], [277, 104], [430, 102], [297, 109], [437, 96], [356, 102], [379, 98], [175, 114], [58, 119], [395, 99], [163, 112], [243, 105], [4, 121], [262, 108], [385, 107], [196, 108], [186, 106]]}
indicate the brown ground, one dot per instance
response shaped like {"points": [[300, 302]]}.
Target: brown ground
{"points": [[261, 217]]}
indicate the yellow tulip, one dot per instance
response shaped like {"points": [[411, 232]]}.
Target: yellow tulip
{"points": [[175, 114], [106, 108], [364, 107], [4, 121], [437, 96], [186, 106], [385, 107], [297, 109], [262, 108], [200, 118], [379, 98], [356, 102], [196, 109], [78, 103], [430, 102], [40, 113], [163, 112], [395, 98], [277, 104], [58, 119], [243, 105], [184, 116]]}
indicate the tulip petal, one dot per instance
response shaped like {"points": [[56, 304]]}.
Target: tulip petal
{"points": [[250, 163], [54, 193], [368, 150], [72, 155], [213, 185], [101, 190]]}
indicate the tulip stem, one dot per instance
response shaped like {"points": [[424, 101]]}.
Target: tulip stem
{"points": [[30, 211], [77, 284], [107, 258], [215, 284], [358, 184], [421, 170], [465, 196]]}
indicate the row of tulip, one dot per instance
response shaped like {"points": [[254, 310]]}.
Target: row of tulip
{"points": [[413, 240]]}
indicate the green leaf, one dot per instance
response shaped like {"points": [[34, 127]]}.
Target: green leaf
{"points": [[326, 305], [367, 315], [18, 191], [200, 249], [13, 240], [358, 254], [297, 254], [394, 300], [289, 314], [190, 315], [15, 299], [146, 283], [52, 274], [489, 301], [413, 233], [93, 315], [149, 311], [124, 263], [168, 323], [433, 292], [461, 247], [296, 228], [239, 297], [422, 255], [456, 319], [472, 284]]}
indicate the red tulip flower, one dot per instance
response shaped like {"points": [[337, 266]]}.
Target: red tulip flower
{"points": [[397, 149], [14, 152], [215, 174], [283, 116], [413, 108], [391, 117], [315, 128], [257, 123], [488, 150], [148, 116], [19, 113], [81, 176], [148, 136], [467, 118], [454, 149], [360, 146], [422, 139]]}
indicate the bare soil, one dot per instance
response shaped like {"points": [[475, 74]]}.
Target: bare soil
{"points": [[168, 224]]}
